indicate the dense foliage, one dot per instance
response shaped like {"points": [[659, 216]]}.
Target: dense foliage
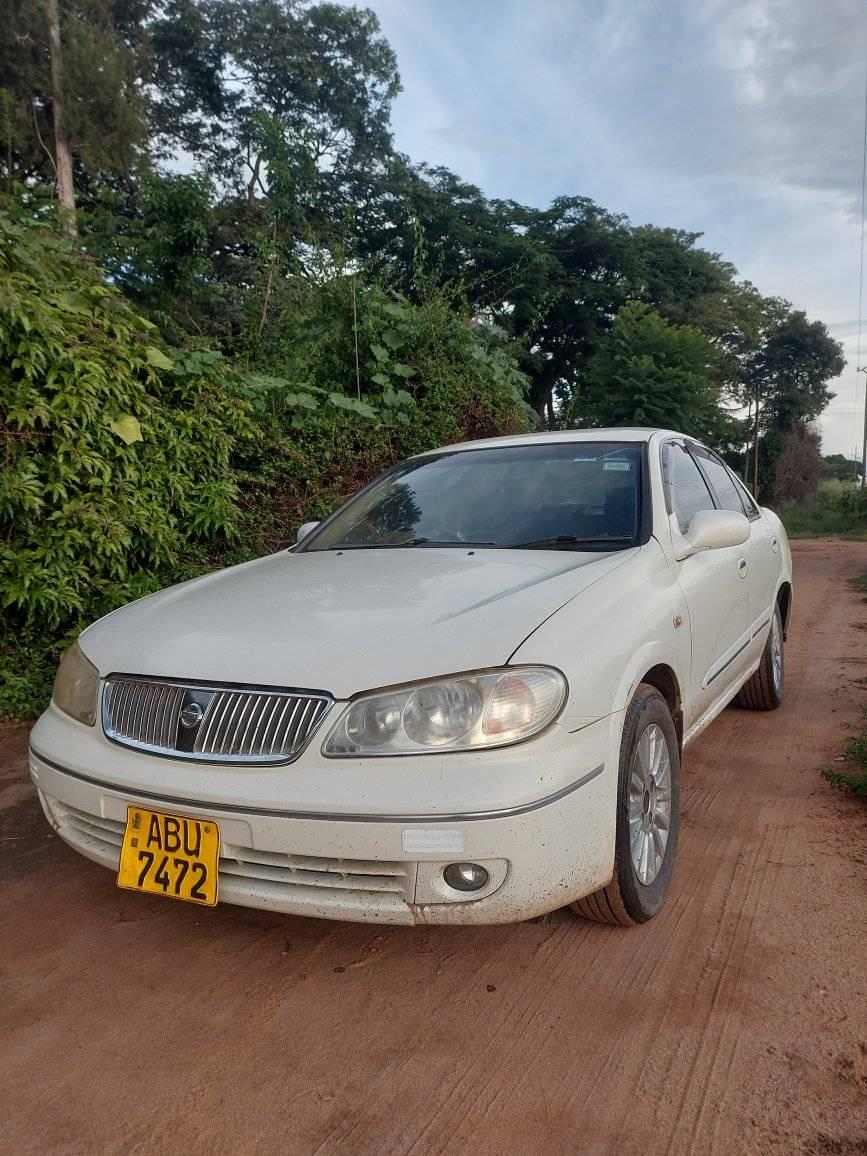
{"points": [[647, 372], [216, 355], [129, 463]]}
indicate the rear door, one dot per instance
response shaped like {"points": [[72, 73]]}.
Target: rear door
{"points": [[715, 584]]}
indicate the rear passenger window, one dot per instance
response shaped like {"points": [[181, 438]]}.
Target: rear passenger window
{"points": [[687, 490], [723, 484]]}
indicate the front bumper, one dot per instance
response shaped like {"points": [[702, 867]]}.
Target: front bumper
{"points": [[540, 855]]}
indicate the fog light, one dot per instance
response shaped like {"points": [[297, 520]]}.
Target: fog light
{"points": [[466, 876]]}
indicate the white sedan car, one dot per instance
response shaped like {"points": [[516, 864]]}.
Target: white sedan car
{"points": [[462, 698]]}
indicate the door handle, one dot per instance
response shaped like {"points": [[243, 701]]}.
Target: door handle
{"points": [[742, 567]]}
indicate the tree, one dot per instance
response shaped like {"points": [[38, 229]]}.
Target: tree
{"points": [[798, 469], [841, 468], [322, 71], [71, 76], [593, 263], [786, 380], [650, 373], [62, 152]]}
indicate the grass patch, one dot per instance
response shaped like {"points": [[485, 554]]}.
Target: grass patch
{"points": [[839, 511], [854, 779], [822, 521], [855, 754]]}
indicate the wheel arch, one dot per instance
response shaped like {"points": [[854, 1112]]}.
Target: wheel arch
{"points": [[657, 665], [663, 678], [784, 601]]}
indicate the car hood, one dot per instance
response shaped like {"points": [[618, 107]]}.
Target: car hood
{"points": [[345, 622]]}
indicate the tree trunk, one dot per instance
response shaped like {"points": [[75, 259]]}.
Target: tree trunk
{"points": [[756, 451], [62, 151], [747, 445], [549, 409]]}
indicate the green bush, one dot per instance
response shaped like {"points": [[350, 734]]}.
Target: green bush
{"points": [[116, 449], [129, 464], [333, 414], [841, 512]]}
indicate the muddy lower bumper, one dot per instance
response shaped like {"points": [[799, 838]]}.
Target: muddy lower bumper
{"points": [[538, 857]]}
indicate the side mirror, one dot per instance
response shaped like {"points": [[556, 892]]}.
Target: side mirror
{"points": [[715, 529], [305, 529]]}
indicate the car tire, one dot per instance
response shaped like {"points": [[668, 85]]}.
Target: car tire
{"points": [[764, 690], [636, 893]]}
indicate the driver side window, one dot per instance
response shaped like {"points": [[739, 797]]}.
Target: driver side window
{"points": [[687, 490]]}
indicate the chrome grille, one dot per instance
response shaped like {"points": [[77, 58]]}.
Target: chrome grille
{"points": [[210, 723]]}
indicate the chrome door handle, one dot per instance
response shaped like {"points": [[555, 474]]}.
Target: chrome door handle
{"points": [[742, 567]]}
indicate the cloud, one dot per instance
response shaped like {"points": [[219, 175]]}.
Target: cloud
{"points": [[742, 119]]}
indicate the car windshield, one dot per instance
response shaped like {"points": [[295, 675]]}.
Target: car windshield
{"points": [[554, 496]]}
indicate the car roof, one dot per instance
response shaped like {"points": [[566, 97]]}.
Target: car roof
{"points": [[609, 434]]}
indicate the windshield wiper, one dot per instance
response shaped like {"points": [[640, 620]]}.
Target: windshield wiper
{"points": [[406, 545], [437, 542], [573, 540]]}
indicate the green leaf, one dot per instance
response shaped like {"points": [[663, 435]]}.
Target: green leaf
{"points": [[301, 400], [392, 338], [74, 302], [395, 310], [379, 353], [157, 358], [403, 370], [341, 401], [396, 397], [126, 427], [381, 379]]}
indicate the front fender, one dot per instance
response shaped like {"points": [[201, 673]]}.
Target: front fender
{"points": [[609, 637]]}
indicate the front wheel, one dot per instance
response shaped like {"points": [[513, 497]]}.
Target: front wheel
{"points": [[764, 690], [648, 816]]}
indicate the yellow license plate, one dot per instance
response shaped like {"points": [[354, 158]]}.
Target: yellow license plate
{"points": [[170, 855]]}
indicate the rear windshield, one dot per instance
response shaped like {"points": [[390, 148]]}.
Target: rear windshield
{"points": [[564, 495]]}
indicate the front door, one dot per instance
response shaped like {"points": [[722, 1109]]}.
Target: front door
{"points": [[716, 586]]}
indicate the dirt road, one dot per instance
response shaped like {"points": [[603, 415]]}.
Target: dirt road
{"points": [[735, 1023]]}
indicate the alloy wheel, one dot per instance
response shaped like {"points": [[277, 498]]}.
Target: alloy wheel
{"points": [[649, 803]]}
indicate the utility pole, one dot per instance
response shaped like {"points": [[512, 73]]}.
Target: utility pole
{"points": [[863, 369]]}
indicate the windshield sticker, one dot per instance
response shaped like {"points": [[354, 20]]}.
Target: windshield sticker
{"points": [[617, 466]]}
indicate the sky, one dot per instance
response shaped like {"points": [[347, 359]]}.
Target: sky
{"points": [[739, 119]]}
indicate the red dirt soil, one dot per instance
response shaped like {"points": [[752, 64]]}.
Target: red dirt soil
{"points": [[736, 1022]]}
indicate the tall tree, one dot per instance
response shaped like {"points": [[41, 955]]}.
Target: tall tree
{"points": [[786, 379], [647, 372], [322, 71], [62, 151], [71, 72], [595, 265]]}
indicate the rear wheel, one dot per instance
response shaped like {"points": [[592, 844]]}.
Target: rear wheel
{"points": [[764, 690], [648, 816]]}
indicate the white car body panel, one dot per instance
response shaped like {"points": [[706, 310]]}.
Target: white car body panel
{"points": [[539, 814], [344, 622]]}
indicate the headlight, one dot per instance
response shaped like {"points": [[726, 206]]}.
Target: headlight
{"points": [[466, 712], [76, 687]]}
